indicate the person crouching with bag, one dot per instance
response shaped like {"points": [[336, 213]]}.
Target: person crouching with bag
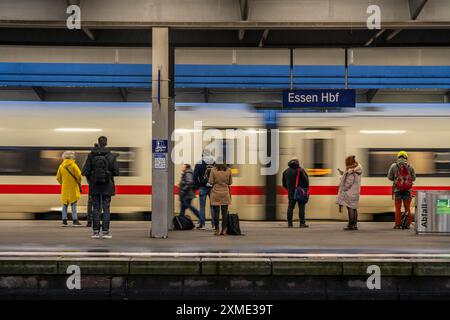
{"points": [[350, 190], [69, 177]]}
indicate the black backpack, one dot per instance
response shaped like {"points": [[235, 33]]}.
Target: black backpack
{"points": [[233, 226], [100, 172], [183, 223]]}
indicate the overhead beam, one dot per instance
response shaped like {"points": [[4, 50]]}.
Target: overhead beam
{"points": [[243, 6], [263, 38], [227, 25], [370, 94], [415, 8], [89, 33], [40, 92], [392, 34], [376, 36]]}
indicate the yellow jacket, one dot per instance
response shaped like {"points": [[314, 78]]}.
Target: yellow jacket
{"points": [[70, 191]]}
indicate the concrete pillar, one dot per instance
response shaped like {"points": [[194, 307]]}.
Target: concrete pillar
{"points": [[162, 127]]}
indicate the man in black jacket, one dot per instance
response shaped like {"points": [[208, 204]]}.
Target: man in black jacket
{"points": [[100, 169], [289, 179]]}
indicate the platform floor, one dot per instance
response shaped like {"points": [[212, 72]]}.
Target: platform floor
{"points": [[260, 238]]}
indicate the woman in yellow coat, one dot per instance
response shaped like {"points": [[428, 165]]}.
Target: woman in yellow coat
{"points": [[69, 177]]}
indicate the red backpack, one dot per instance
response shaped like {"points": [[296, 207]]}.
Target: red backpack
{"points": [[403, 179]]}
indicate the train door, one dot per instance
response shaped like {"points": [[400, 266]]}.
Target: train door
{"points": [[248, 185], [318, 151]]}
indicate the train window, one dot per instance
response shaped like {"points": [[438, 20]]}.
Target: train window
{"points": [[23, 160], [426, 162], [318, 157], [51, 159], [12, 162], [125, 160]]}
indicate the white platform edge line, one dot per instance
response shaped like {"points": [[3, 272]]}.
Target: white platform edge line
{"points": [[224, 255]]}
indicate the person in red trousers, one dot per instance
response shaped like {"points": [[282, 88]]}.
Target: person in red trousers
{"points": [[402, 174]]}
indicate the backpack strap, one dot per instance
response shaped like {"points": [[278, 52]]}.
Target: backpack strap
{"points": [[298, 176]]}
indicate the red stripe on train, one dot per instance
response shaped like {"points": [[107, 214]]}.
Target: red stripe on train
{"points": [[236, 190]]}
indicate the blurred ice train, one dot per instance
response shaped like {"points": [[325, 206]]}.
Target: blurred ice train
{"points": [[33, 136]]}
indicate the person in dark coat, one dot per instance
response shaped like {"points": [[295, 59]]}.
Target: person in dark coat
{"points": [[289, 179], [100, 169], [186, 192]]}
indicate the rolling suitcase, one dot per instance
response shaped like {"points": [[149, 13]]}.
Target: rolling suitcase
{"points": [[183, 223], [233, 227]]}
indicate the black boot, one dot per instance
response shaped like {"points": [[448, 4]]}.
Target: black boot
{"points": [[89, 224], [303, 225], [290, 225], [65, 222]]}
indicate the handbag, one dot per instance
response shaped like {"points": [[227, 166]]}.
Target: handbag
{"points": [[301, 194], [79, 184]]}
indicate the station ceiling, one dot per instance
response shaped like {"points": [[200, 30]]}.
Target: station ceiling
{"points": [[222, 23], [228, 23]]}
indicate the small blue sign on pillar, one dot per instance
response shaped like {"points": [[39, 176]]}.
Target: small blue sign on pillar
{"points": [[159, 151], [159, 146], [319, 98]]}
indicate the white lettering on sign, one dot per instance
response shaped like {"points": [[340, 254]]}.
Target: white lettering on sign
{"points": [[311, 98], [325, 97], [329, 97]]}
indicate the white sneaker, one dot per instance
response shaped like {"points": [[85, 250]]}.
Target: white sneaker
{"points": [[95, 236], [106, 236]]}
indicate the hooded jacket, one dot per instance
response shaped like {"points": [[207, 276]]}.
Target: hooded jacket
{"points": [[290, 176], [199, 171], [113, 168], [70, 192], [393, 170], [350, 188]]}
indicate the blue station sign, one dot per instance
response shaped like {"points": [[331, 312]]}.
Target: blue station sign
{"points": [[319, 98], [159, 146]]}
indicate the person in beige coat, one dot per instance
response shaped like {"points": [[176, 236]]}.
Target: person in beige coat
{"points": [[350, 190], [220, 180]]}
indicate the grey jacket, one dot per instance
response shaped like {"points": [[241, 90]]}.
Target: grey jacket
{"points": [[186, 186], [394, 169], [350, 188]]}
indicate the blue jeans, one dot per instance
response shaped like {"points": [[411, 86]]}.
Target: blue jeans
{"points": [[203, 193], [74, 211], [100, 201], [186, 204]]}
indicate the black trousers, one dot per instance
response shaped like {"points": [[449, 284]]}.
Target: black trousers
{"points": [[100, 202], [290, 211], [89, 210], [224, 210]]}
